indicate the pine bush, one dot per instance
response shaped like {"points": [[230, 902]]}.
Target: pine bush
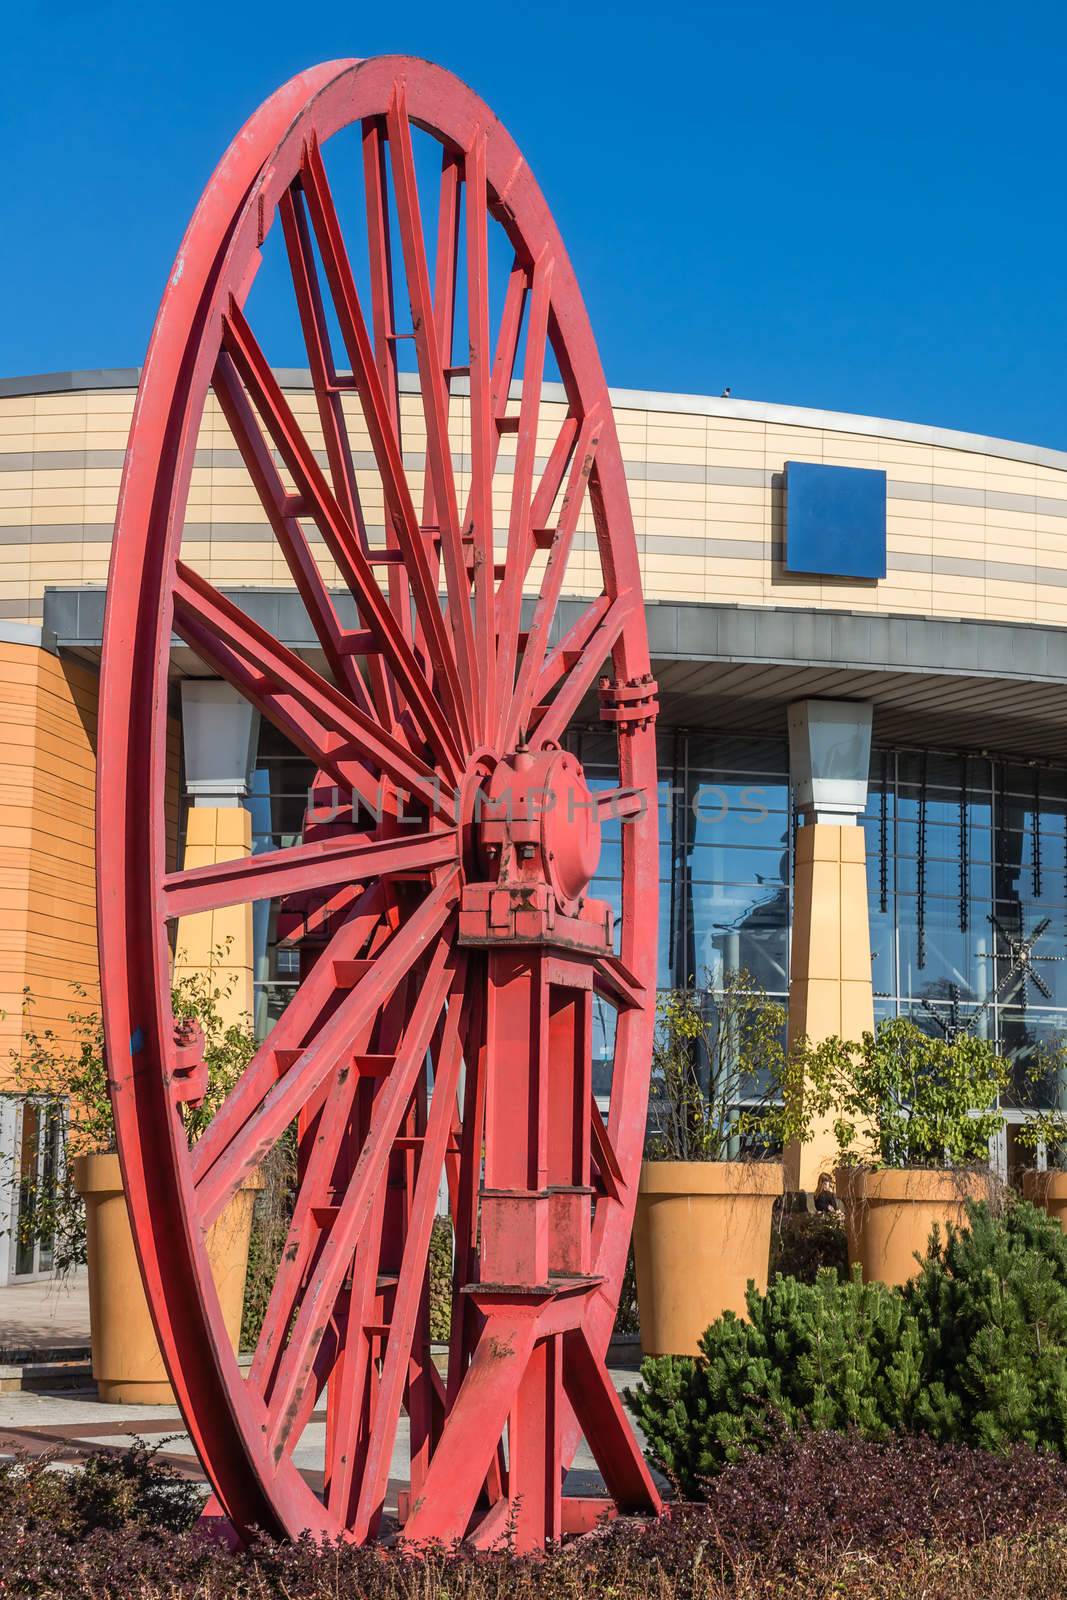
{"points": [[972, 1351], [831, 1354], [991, 1307]]}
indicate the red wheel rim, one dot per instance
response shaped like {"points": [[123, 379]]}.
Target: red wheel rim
{"points": [[415, 694]]}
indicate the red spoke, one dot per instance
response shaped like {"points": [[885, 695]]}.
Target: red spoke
{"points": [[552, 477], [520, 533], [319, 1182], [267, 481], [328, 398], [620, 805], [285, 711], [577, 678], [254, 1135], [611, 1174], [409, 1293], [507, 347], [444, 299], [352, 1401], [571, 645], [520, 703], [317, 716], [299, 1021], [318, 502], [446, 258], [320, 358], [350, 1398], [381, 269], [480, 503], [346, 1226], [434, 394], [444, 296], [384, 346], [304, 867], [384, 437], [614, 982], [326, 1175]]}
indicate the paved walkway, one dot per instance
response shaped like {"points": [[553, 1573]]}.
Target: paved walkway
{"points": [[48, 1315], [71, 1424]]}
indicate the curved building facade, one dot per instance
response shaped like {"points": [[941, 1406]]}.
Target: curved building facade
{"points": [[863, 683]]}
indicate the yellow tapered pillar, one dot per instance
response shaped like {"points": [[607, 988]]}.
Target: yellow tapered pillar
{"points": [[218, 941], [830, 988], [219, 737]]}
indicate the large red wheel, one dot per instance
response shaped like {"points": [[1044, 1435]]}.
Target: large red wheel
{"points": [[460, 948]]}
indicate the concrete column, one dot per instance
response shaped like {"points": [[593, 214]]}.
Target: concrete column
{"points": [[219, 734], [830, 970]]}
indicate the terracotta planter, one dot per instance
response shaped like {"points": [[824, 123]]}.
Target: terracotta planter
{"points": [[1049, 1191], [702, 1230], [889, 1214], [127, 1363]]}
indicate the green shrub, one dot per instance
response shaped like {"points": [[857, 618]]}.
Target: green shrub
{"points": [[441, 1280], [802, 1243], [271, 1215], [991, 1303], [628, 1314], [899, 1097], [830, 1354], [973, 1350]]}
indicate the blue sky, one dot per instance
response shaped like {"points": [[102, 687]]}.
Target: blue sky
{"points": [[823, 204]]}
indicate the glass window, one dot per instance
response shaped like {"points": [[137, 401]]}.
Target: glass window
{"points": [[952, 842], [974, 918], [39, 1146]]}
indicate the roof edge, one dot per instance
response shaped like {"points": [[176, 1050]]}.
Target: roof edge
{"points": [[765, 411]]}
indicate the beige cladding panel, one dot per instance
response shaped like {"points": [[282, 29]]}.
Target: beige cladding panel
{"points": [[47, 852], [967, 534]]}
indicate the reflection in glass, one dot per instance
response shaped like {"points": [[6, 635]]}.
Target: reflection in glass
{"points": [[952, 842]]}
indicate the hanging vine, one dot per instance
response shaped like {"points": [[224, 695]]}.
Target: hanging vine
{"points": [[921, 867], [883, 837], [965, 844], [1035, 817]]}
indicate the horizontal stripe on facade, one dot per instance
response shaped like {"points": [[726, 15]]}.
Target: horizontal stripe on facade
{"points": [[757, 550], [649, 472]]}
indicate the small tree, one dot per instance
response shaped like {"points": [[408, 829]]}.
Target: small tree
{"points": [[900, 1098], [719, 1071], [1045, 1125], [70, 1083]]}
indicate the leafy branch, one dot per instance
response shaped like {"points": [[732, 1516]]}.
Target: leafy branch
{"points": [[69, 1084], [899, 1098], [720, 1075]]}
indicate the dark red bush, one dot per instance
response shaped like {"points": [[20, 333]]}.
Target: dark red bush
{"points": [[826, 1491], [817, 1516]]}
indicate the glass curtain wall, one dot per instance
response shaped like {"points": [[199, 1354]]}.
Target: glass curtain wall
{"points": [[967, 878]]}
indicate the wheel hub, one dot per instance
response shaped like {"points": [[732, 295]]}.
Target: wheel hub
{"points": [[538, 822]]}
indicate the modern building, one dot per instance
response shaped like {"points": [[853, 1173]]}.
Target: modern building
{"points": [[922, 592]]}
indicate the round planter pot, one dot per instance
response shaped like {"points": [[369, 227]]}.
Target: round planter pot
{"points": [[702, 1231], [889, 1214], [1049, 1191], [127, 1363]]}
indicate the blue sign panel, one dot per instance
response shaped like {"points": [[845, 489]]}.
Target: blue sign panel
{"points": [[835, 520]]}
